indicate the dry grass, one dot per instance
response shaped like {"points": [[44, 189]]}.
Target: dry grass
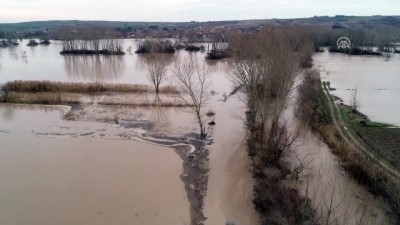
{"points": [[60, 98], [97, 87]]}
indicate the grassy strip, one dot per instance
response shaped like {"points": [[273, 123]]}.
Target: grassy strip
{"points": [[382, 139], [359, 119], [314, 111], [361, 132], [53, 86]]}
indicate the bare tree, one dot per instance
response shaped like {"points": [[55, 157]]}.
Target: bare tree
{"points": [[156, 70], [191, 78], [354, 101], [4, 92], [265, 67]]}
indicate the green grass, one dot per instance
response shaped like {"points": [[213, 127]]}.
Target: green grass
{"points": [[359, 119], [375, 124], [344, 113]]}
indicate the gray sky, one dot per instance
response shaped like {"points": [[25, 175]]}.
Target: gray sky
{"points": [[187, 10]]}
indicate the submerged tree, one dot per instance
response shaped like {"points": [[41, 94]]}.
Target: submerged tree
{"points": [[156, 70], [191, 78], [354, 101], [265, 65], [91, 40], [4, 92]]}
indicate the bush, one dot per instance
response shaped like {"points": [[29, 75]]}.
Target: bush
{"points": [[155, 46]]}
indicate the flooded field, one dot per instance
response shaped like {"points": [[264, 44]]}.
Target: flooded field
{"points": [[336, 196], [105, 167], [377, 82], [83, 180], [45, 63], [228, 162]]}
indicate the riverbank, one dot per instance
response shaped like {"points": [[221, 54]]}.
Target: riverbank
{"points": [[317, 110]]}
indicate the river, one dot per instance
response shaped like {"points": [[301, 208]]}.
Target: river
{"points": [[377, 82], [229, 192], [87, 176]]}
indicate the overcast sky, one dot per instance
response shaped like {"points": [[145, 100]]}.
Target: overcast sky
{"points": [[187, 10]]}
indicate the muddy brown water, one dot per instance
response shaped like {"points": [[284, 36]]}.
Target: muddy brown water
{"points": [[83, 180], [336, 196], [97, 179], [229, 194], [377, 82]]}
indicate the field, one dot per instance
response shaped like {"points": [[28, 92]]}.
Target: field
{"points": [[381, 138], [385, 142]]}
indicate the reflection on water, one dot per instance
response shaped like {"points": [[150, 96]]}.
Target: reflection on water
{"points": [[146, 59], [7, 113], [46, 63], [336, 196], [158, 114], [95, 68]]}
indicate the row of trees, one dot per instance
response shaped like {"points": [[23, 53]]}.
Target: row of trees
{"points": [[265, 66], [154, 46], [91, 41], [95, 45]]}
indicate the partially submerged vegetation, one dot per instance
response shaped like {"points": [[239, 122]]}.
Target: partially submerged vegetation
{"points": [[91, 41], [53, 86], [194, 48], [191, 78], [32, 43], [380, 138], [9, 42], [154, 46], [54, 93], [355, 51], [314, 111], [265, 67], [219, 50]]}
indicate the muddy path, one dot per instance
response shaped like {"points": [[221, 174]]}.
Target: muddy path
{"points": [[352, 141], [337, 197]]}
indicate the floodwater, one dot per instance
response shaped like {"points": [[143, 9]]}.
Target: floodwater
{"points": [[377, 82], [230, 187], [329, 187], [91, 177], [83, 180], [229, 193], [45, 63], [336, 196]]}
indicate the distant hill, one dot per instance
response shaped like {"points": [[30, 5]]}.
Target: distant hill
{"points": [[373, 24], [346, 21]]}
